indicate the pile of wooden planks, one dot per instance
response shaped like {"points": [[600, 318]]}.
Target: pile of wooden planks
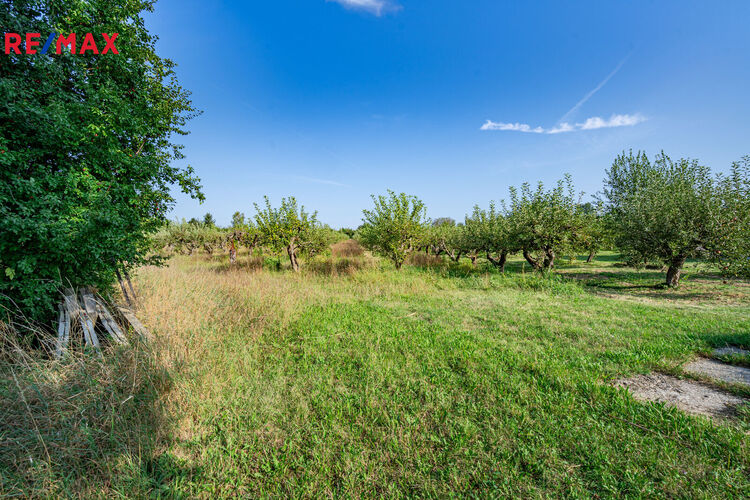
{"points": [[88, 310]]}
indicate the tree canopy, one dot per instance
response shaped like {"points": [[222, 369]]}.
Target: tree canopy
{"points": [[87, 150], [288, 227], [663, 209], [395, 227]]}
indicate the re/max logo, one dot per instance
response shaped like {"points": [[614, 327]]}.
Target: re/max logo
{"points": [[32, 40]]}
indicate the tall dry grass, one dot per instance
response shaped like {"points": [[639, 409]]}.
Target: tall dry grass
{"points": [[347, 248], [68, 427]]}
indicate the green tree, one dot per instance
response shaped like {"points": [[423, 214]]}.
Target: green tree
{"points": [[238, 219], [395, 227], [487, 231], [666, 210], [208, 220], [542, 223], [288, 228], [591, 234], [86, 151], [731, 247], [444, 237]]}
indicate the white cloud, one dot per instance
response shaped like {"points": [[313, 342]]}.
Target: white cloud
{"points": [[376, 7], [519, 127], [563, 127], [592, 123], [614, 121]]}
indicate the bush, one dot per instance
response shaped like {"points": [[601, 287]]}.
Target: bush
{"points": [[87, 165]]}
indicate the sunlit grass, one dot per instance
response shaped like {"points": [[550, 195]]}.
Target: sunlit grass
{"points": [[358, 380], [434, 381]]}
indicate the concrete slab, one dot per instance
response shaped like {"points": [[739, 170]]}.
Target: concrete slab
{"points": [[719, 371], [687, 395]]}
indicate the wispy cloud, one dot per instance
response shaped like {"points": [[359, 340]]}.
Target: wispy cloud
{"points": [[319, 181], [592, 123], [595, 89], [376, 7]]}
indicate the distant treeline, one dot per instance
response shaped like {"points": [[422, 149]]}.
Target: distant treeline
{"points": [[656, 210]]}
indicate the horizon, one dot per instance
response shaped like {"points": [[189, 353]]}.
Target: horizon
{"points": [[335, 100]]}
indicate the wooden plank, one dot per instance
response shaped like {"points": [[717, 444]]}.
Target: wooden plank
{"points": [[110, 325], [89, 334], [137, 325], [89, 303], [71, 303], [63, 332]]}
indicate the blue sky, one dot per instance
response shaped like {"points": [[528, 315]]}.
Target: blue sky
{"points": [[334, 100]]}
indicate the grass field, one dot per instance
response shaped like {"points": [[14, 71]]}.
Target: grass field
{"points": [[432, 381]]}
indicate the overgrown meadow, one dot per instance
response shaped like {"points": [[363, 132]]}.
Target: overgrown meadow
{"points": [[350, 378]]}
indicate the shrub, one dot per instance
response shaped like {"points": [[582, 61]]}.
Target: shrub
{"points": [[88, 153]]}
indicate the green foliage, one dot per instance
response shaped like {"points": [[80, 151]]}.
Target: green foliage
{"points": [[664, 210], [591, 234], [208, 220], [321, 239], [395, 227], [543, 223], [186, 237], [731, 247], [86, 151], [238, 219], [488, 232], [445, 237], [288, 228]]}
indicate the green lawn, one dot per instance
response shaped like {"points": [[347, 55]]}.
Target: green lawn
{"points": [[425, 382]]}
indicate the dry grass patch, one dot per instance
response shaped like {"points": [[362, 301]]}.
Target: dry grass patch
{"points": [[347, 248]]}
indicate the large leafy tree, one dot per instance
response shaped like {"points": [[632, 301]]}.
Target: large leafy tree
{"points": [[444, 237], [395, 227], [288, 227], [488, 231], [543, 223], [731, 246], [663, 209], [86, 150]]}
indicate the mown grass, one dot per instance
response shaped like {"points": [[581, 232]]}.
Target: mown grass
{"points": [[357, 380]]}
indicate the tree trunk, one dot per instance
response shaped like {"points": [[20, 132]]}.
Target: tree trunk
{"points": [[473, 258], [122, 285], [549, 259], [500, 261], [591, 256], [232, 252], [675, 268], [292, 251], [457, 257], [534, 263]]}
